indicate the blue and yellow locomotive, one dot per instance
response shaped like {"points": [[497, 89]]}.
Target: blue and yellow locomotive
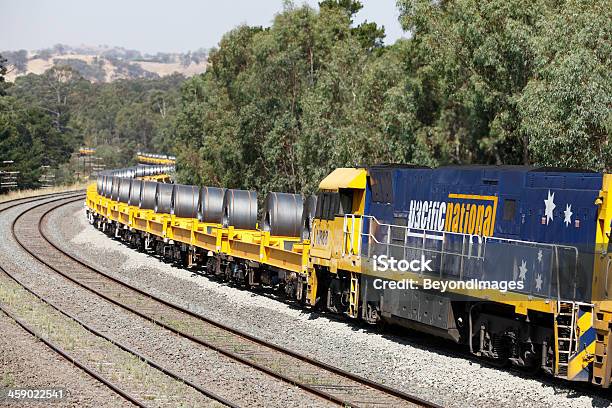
{"points": [[546, 229]]}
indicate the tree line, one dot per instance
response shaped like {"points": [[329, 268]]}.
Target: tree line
{"points": [[474, 82], [45, 118], [486, 82]]}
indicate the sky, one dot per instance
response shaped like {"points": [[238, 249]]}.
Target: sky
{"points": [[151, 26]]}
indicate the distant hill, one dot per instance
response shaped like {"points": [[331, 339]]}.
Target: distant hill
{"points": [[104, 63]]}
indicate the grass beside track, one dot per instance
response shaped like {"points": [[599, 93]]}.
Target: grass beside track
{"points": [[17, 194], [99, 354]]}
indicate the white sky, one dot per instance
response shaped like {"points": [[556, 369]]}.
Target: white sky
{"points": [[150, 26]]}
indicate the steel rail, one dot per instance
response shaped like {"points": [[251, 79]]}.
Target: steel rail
{"points": [[118, 344], [349, 376], [53, 346], [158, 322], [49, 343]]}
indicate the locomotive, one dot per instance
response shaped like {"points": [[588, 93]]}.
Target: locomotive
{"points": [[544, 230]]}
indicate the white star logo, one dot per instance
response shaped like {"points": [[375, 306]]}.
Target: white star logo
{"points": [[523, 270], [539, 282], [540, 256], [568, 215], [550, 206]]}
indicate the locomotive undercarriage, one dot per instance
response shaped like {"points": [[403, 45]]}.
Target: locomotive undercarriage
{"points": [[497, 332]]}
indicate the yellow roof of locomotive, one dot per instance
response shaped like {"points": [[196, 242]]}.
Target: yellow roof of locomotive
{"points": [[344, 177]]}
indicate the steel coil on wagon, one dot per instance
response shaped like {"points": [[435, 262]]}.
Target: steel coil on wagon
{"points": [[240, 209], [210, 205], [99, 184], [124, 190], [116, 180], [108, 184], [308, 214], [147, 195], [282, 214], [163, 198], [184, 201], [135, 186]]}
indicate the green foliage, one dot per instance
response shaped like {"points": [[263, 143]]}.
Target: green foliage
{"points": [[369, 35], [17, 59], [279, 108], [93, 71], [482, 59], [47, 117], [488, 82], [350, 6], [29, 137], [55, 92], [518, 81], [565, 107], [35, 121], [3, 72]]}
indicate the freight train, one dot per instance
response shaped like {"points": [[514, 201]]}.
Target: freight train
{"points": [[155, 159], [545, 230]]}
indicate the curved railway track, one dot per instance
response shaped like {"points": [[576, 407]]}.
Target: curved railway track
{"points": [[7, 205], [315, 377], [59, 350], [55, 346]]}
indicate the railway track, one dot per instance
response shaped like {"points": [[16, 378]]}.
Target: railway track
{"points": [[8, 204], [313, 376], [86, 346], [55, 346]]}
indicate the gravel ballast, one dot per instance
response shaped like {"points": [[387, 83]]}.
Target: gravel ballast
{"points": [[408, 363], [219, 374], [28, 363], [144, 382]]}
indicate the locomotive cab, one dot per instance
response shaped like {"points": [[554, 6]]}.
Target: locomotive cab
{"points": [[335, 240], [340, 203]]}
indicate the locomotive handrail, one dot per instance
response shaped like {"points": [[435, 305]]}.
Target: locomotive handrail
{"points": [[556, 261], [473, 248], [426, 234], [431, 234]]}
